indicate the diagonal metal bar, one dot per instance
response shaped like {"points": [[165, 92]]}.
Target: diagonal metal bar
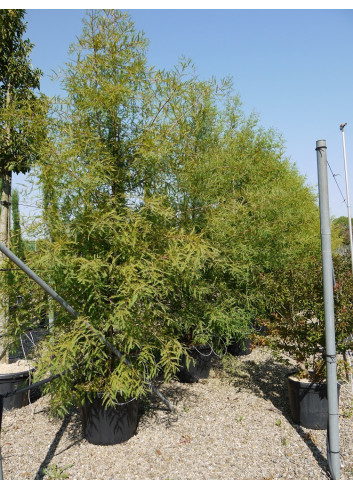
{"points": [[75, 314]]}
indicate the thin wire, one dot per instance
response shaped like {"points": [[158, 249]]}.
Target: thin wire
{"points": [[334, 176]]}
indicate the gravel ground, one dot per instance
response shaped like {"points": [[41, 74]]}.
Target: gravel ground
{"points": [[235, 425]]}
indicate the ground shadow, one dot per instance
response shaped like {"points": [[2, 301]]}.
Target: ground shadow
{"points": [[75, 434], [267, 379], [153, 410]]}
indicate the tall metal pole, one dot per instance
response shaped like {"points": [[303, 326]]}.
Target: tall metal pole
{"points": [[331, 364], [342, 126]]}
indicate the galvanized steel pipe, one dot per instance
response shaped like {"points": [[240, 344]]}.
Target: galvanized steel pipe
{"points": [[330, 342]]}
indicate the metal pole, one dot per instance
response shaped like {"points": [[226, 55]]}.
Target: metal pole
{"points": [[342, 126], [331, 364], [346, 355]]}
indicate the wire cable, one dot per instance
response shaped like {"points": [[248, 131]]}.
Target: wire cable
{"points": [[339, 188]]}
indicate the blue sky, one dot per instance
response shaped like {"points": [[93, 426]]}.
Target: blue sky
{"points": [[292, 67]]}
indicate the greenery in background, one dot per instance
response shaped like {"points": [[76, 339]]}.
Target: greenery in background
{"points": [[295, 316], [21, 110], [166, 213], [22, 130], [342, 225], [17, 243]]}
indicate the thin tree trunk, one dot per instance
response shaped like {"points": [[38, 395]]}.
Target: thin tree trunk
{"points": [[4, 238], [5, 216]]}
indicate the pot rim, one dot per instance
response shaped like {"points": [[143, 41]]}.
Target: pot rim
{"points": [[291, 376], [306, 382], [100, 394], [200, 348], [13, 375]]}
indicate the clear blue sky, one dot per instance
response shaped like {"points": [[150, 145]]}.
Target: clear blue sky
{"points": [[292, 67]]}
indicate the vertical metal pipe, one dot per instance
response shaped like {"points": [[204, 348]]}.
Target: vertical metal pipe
{"points": [[347, 192], [331, 364]]}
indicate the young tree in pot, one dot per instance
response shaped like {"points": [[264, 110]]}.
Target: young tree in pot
{"points": [[117, 153], [296, 327], [113, 244]]}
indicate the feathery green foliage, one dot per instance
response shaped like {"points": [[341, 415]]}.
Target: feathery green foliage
{"points": [[163, 207]]}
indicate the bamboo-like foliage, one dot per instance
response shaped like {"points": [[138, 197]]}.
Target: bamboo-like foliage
{"points": [[163, 205]]}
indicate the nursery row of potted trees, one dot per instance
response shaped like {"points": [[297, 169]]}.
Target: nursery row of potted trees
{"points": [[293, 326], [296, 329], [170, 221]]}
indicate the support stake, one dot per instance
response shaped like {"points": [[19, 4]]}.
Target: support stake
{"points": [[333, 454]]}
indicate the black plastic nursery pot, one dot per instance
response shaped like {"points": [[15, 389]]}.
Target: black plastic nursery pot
{"points": [[11, 382], [240, 347], [308, 403], [109, 425], [200, 364]]}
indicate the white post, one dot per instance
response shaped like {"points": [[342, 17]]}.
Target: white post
{"points": [[342, 126], [346, 355]]}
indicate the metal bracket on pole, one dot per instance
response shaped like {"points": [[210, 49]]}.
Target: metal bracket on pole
{"points": [[333, 454]]}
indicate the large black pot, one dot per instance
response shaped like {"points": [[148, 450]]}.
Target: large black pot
{"points": [[200, 364], [109, 425], [240, 347], [308, 403], [11, 382]]}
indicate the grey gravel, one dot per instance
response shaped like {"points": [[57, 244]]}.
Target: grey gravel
{"points": [[235, 425]]}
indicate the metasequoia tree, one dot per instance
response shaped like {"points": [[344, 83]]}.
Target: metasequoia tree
{"points": [[21, 112]]}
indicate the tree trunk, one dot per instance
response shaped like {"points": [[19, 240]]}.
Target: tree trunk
{"points": [[5, 216], [4, 238]]}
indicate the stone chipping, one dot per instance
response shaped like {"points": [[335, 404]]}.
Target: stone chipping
{"points": [[234, 425]]}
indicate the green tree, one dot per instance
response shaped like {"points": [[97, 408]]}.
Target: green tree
{"points": [[114, 244], [252, 206], [163, 208], [295, 316], [21, 117], [343, 229]]}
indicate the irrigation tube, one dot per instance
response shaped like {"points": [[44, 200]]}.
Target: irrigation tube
{"points": [[333, 454], [68, 308]]}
